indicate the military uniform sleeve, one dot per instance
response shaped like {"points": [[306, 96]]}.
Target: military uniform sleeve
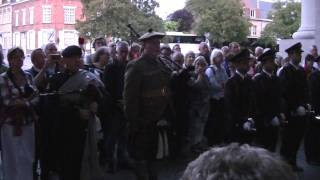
{"points": [[132, 94]]}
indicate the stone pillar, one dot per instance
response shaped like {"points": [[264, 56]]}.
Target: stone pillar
{"points": [[307, 29]]}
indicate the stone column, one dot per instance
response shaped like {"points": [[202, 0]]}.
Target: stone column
{"points": [[307, 29]]}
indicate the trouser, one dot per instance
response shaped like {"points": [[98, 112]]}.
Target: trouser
{"points": [[145, 170], [292, 136], [312, 141], [214, 130], [267, 137], [116, 138], [18, 152]]}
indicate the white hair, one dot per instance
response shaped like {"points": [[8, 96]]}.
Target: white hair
{"points": [[215, 53]]}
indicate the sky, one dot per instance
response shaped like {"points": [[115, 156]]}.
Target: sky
{"points": [[169, 6]]}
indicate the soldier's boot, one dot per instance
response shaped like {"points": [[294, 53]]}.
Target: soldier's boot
{"points": [[141, 170], [152, 170]]}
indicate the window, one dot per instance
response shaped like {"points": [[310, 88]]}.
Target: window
{"points": [[254, 30], [69, 15], [1, 17], [23, 17], [46, 14], [31, 40], [17, 18], [31, 15], [252, 13], [70, 38], [16, 41]]}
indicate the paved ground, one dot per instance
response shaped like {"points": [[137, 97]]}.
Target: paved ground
{"points": [[173, 170]]}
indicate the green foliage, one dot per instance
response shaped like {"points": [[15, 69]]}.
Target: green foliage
{"points": [[223, 19], [110, 18], [286, 20], [171, 25]]}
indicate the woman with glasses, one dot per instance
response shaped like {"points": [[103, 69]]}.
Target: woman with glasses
{"points": [[17, 119]]}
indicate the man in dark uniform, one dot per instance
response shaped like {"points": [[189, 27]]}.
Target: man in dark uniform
{"points": [[239, 101], [80, 93], [312, 138], [146, 98], [115, 128], [295, 93], [268, 102]]}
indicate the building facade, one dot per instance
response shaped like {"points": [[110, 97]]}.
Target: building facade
{"points": [[34, 23], [5, 24], [257, 11]]}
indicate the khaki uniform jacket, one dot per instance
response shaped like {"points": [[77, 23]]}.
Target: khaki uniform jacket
{"points": [[146, 97]]}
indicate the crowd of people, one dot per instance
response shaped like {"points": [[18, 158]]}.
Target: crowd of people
{"points": [[74, 115]]}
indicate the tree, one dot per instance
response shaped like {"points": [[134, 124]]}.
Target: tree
{"points": [[286, 20], [223, 19], [111, 17], [184, 19], [171, 25]]}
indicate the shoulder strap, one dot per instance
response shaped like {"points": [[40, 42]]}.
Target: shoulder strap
{"points": [[213, 71]]}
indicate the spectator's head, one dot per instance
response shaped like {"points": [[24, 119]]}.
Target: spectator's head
{"points": [[225, 50], [165, 51], [99, 42], [72, 58], [176, 48], [204, 48], [216, 57], [38, 58], [50, 48], [101, 57], [294, 53], [189, 58], [15, 58], [178, 58], [134, 51], [112, 49], [241, 162], [278, 60], [122, 51], [234, 47], [200, 65], [308, 63], [258, 51], [314, 51]]}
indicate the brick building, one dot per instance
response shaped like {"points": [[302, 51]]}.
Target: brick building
{"points": [[5, 24], [37, 22], [257, 11]]}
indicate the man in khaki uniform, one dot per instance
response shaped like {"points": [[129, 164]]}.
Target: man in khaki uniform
{"points": [[146, 99]]}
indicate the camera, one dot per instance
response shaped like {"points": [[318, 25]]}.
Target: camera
{"points": [[55, 57]]}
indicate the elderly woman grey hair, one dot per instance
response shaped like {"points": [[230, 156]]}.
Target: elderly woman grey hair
{"points": [[241, 162], [199, 105]]}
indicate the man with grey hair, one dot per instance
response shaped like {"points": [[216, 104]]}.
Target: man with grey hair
{"points": [[241, 162], [178, 58], [114, 84], [258, 52]]}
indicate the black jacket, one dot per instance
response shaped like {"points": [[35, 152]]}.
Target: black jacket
{"points": [[267, 91], [239, 99], [294, 87], [314, 87]]}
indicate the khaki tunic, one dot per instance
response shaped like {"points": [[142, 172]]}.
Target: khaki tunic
{"points": [[146, 97]]}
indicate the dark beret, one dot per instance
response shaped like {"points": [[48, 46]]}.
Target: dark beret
{"points": [[150, 35]]}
